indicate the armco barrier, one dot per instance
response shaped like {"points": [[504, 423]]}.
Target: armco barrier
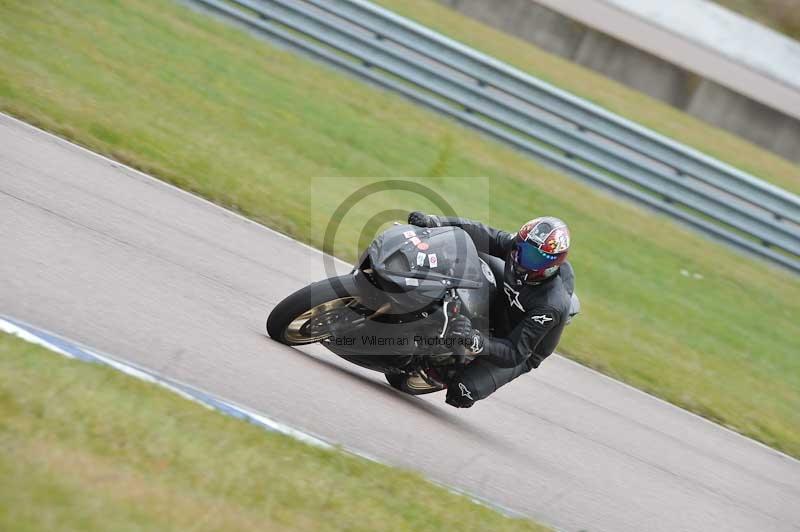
{"points": [[556, 127]]}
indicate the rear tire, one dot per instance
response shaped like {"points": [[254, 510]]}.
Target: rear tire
{"points": [[290, 322], [395, 380], [400, 381]]}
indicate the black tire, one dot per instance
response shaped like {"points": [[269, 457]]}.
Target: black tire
{"points": [[304, 300], [396, 380]]}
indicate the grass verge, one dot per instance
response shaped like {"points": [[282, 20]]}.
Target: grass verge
{"points": [[87, 448], [213, 110], [601, 90]]}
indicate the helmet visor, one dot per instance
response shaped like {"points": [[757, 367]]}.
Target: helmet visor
{"points": [[531, 258]]}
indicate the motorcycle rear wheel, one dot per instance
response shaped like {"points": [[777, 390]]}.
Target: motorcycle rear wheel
{"points": [[410, 384]]}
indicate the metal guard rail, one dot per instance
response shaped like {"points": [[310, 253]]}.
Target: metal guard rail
{"points": [[558, 128]]}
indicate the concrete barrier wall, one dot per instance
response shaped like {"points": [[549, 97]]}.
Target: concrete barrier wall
{"points": [[532, 22], [750, 119], [641, 70], [635, 68]]}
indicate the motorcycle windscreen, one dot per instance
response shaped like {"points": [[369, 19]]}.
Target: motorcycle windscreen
{"points": [[416, 258]]}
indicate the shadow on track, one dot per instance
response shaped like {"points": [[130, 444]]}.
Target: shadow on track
{"points": [[442, 416]]}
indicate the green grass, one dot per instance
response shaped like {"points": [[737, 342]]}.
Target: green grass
{"points": [[251, 127], [86, 448], [603, 91]]}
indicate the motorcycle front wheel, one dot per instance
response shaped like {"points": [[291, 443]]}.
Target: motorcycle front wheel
{"points": [[308, 315]]}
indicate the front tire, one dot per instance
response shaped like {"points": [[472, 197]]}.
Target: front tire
{"points": [[305, 317]]}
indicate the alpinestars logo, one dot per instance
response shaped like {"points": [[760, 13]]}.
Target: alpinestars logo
{"points": [[465, 391], [513, 297], [477, 345], [541, 320]]}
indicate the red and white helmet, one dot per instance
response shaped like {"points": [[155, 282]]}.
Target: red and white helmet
{"points": [[540, 248]]}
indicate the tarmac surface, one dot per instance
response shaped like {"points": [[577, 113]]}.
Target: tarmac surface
{"points": [[120, 262]]}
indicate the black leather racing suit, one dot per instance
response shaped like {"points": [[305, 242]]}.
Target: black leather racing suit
{"points": [[527, 320]]}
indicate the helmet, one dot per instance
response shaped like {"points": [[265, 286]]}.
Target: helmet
{"points": [[540, 248]]}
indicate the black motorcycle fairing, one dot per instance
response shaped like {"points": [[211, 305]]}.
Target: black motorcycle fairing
{"points": [[401, 283], [411, 269], [376, 283], [391, 346], [428, 262]]}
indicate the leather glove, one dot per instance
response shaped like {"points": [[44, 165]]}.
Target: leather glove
{"points": [[458, 395], [421, 219], [461, 330]]}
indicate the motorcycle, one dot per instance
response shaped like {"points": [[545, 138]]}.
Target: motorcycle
{"points": [[391, 312]]}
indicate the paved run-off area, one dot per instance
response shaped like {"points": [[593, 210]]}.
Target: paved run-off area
{"points": [[121, 262]]}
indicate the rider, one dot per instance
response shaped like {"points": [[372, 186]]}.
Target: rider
{"points": [[534, 305]]}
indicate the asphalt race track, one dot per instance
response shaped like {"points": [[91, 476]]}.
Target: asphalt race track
{"points": [[111, 258]]}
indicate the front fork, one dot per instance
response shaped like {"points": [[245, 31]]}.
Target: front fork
{"points": [[452, 308], [440, 375]]}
